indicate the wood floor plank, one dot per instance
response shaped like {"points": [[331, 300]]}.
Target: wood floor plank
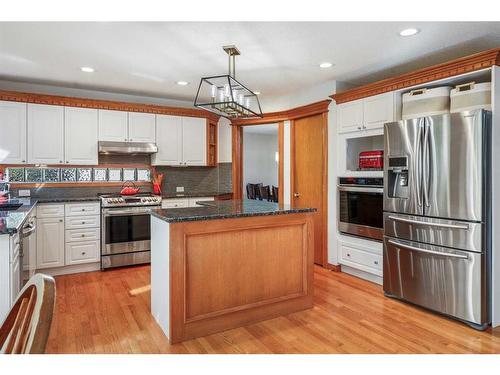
{"points": [[109, 312]]}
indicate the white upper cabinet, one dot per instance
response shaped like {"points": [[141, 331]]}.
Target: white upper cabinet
{"points": [[141, 127], [194, 141], [168, 140], [113, 125], [12, 133], [80, 136], [45, 134], [378, 110], [350, 116], [366, 114]]}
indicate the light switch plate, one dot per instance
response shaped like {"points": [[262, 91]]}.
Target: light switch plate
{"points": [[179, 189], [24, 193]]}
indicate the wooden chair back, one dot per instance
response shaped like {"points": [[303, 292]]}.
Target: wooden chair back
{"points": [[26, 328], [275, 193], [264, 193]]}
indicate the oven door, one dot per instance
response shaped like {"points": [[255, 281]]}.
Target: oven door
{"points": [[360, 211], [125, 230]]}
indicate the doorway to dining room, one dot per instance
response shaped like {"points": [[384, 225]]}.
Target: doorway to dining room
{"points": [[261, 162]]}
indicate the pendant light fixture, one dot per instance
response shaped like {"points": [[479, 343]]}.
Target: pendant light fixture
{"points": [[225, 96]]}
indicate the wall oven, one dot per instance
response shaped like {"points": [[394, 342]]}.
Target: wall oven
{"points": [[360, 207]]}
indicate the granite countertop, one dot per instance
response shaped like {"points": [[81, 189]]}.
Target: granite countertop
{"points": [[226, 210], [12, 221], [195, 194], [67, 199]]}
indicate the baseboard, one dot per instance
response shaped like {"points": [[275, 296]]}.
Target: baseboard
{"points": [[67, 270], [334, 267], [362, 274]]}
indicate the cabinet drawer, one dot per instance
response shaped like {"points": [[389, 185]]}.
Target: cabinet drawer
{"points": [[77, 235], [362, 259], [82, 252], [50, 210], [79, 222], [81, 209], [175, 203]]}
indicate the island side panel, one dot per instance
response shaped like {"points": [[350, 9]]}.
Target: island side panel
{"points": [[232, 272], [160, 273]]}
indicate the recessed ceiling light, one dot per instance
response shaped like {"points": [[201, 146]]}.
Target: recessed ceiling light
{"points": [[325, 65], [409, 32], [182, 83], [87, 69], [256, 92]]}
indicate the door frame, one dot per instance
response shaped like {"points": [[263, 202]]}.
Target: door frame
{"points": [[237, 154], [309, 110]]}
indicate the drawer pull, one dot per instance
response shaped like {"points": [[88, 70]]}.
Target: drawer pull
{"points": [[60, 220], [83, 209], [83, 235], [83, 253], [83, 222]]}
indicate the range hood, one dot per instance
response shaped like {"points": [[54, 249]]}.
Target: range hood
{"points": [[107, 147]]}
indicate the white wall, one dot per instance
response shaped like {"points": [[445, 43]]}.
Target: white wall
{"points": [[224, 143], [259, 163]]}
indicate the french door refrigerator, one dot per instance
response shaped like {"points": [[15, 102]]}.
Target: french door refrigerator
{"points": [[437, 192]]}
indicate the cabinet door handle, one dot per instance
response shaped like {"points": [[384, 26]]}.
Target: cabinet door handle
{"points": [[348, 254], [83, 235], [67, 161], [359, 127], [296, 195], [60, 161], [83, 222], [83, 253], [376, 262], [83, 209], [60, 220], [125, 139], [23, 161]]}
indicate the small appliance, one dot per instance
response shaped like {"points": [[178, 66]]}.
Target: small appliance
{"points": [[369, 160]]}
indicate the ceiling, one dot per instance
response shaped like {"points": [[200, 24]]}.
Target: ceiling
{"points": [[278, 59]]}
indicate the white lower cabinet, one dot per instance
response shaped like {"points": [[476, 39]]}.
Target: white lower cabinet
{"points": [[175, 203], [184, 202], [362, 255], [67, 235], [82, 252], [15, 279], [50, 242], [193, 201]]}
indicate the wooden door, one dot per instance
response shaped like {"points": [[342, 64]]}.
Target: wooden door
{"points": [[12, 133], [168, 140], [113, 125], [194, 141], [45, 134], [141, 127], [80, 136], [309, 175]]}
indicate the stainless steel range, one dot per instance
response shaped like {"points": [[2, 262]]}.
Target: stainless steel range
{"points": [[126, 229]]}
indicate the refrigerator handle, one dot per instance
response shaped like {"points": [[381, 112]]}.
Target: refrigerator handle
{"points": [[426, 170], [418, 160]]}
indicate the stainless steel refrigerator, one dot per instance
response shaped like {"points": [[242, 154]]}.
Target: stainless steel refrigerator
{"points": [[437, 195]]}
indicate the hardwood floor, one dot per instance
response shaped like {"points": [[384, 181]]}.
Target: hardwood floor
{"points": [[108, 312]]}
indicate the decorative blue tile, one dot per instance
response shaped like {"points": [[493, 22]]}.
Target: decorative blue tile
{"points": [[68, 174], [34, 175], [15, 174], [51, 174]]}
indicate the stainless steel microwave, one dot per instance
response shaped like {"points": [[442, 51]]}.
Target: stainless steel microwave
{"points": [[360, 207]]}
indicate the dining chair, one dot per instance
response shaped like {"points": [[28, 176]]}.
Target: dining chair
{"points": [[27, 326]]}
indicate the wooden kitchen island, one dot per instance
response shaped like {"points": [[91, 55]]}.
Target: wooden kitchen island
{"points": [[228, 264]]}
